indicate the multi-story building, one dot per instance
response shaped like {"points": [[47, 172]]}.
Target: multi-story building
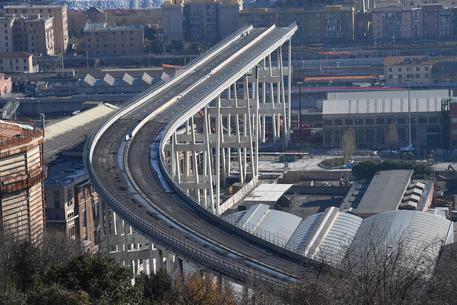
{"points": [[71, 202], [395, 23], [57, 12], [203, 21], [102, 39], [326, 24], [6, 34], [408, 70], [34, 34], [21, 177], [17, 62], [200, 21], [172, 19], [404, 22], [379, 120]]}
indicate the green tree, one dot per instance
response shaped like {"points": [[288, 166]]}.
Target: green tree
{"points": [[57, 295], [100, 277]]}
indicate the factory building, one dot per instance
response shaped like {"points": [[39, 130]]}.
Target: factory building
{"points": [[379, 119]]}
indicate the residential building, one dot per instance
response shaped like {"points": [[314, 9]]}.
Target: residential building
{"points": [[71, 201], [34, 34], [17, 62], [327, 24], [103, 39], [172, 20], [395, 23], [228, 12], [200, 21], [408, 70], [6, 85], [203, 21], [21, 176], [379, 119], [57, 12], [6, 34]]}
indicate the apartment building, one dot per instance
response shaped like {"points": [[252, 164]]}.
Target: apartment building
{"points": [[327, 24], [21, 182], [204, 21], [6, 34], [401, 22], [34, 34], [172, 19], [104, 39], [408, 70], [57, 12], [17, 62], [71, 201]]}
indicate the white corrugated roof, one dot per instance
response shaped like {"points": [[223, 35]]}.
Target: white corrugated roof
{"points": [[383, 102], [78, 120], [267, 193], [421, 233]]}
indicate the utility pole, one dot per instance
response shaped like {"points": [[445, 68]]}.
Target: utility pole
{"points": [[299, 105]]}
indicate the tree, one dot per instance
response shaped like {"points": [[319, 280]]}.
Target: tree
{"points": [[100, 277], [57, 295], [392, 136], [349, 144]]}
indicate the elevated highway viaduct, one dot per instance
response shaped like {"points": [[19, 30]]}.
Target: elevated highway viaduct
{"points": [[141, 167]]}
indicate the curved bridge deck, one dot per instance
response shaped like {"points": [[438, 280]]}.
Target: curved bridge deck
{"points": [[122, 174]]}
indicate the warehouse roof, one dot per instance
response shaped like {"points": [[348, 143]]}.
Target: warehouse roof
{"points": [[78, 120], [383, 102], [267, 193], [418, 232], [385, 191]]}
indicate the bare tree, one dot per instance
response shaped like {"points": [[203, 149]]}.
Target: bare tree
{"points": [[392, 136], [349, 144]]}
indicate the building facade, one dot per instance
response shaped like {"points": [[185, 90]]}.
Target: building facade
{"points": [[203, 21], [71, 202], [379, 120], [6, 34], [407, 70], [103, 39], [327, 24], [17, 62], [172, 20], [57, 12], [21, 182]]}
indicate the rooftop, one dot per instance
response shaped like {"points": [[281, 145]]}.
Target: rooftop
{"points": [[385, 192], [65, 171], [267, 193], [10, 129], [406, 60], [22, 6], [100, 27], [19, 54], [383, 102]]}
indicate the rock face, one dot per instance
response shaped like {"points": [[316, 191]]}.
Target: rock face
{"points": [[112, 4]]}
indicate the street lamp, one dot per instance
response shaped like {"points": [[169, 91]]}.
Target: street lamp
{"points": [[299, 104]]}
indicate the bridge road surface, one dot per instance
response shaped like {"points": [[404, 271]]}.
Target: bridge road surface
{"points": [[188, 225]]}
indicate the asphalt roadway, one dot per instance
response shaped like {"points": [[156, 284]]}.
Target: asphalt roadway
{"points": [[188, 224]]}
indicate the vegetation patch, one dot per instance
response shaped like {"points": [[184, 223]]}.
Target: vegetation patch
{"points": [[367, 169]]}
